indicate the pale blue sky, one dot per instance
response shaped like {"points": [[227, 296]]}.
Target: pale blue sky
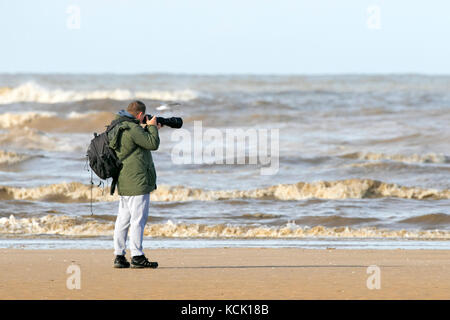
{"points": [[225, 36]]}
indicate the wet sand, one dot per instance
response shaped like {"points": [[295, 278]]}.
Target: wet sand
{"points": [[228, 273]]}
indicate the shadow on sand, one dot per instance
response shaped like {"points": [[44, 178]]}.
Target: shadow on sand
{"points": [[272, 267]]}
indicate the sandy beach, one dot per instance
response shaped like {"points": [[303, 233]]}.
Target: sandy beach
{"points": [[228, 273]]}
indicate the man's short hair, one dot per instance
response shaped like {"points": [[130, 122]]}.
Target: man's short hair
{"points": [[135, 107]]}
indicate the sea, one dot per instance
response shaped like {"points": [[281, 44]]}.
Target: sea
{"points": [[357, 161]]}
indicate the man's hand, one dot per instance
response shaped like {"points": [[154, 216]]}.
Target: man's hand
{"points": [[153, 122]]}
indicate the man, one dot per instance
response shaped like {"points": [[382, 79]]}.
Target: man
{"points": [[132, 143]]}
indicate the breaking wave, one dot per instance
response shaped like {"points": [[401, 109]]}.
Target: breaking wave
{"points": [[414, 158], [11, 120], [77, 226], [9, 158], [33, 139], [51, 122], [341, 189], [32, 92]]}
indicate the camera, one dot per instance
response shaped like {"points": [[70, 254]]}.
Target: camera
{"points": [[173, 122]]}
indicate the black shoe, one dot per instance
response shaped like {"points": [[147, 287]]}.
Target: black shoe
{"points": [[142, 262], [121, 262]]}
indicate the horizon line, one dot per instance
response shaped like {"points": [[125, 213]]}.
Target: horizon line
{"points": [[228, 74]]}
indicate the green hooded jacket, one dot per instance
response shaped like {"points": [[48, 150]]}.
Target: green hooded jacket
{"points": [[132, 144]]}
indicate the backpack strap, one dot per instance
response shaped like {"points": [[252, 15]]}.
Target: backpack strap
{"points": [[113, 186], [109, 128], [117, 121], [115, 179]]}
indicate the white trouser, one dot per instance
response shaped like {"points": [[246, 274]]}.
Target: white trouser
{"points": [[133, 214]]}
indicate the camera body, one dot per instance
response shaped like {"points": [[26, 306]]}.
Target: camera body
{"points": [[173, 122]]}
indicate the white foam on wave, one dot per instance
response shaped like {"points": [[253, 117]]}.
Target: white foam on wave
{"points": [[85, 226], [10, 120], [81, 115], [33, 139], [32, 92], [50, 131], [411, 158], [9, 158], [341, 189]]}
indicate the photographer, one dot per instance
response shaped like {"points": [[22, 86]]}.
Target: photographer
{"points": [[133, 143]]}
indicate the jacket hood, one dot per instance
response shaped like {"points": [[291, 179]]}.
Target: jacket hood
{"points": [[124, 113]]}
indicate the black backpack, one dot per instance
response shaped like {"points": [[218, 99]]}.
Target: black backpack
{"points": [[102, 159]]}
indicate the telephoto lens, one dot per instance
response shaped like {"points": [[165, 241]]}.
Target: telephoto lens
{"points": [[174, 122]]}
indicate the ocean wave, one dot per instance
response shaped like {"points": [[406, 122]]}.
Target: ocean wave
{"points": [[432, 219], [341, 189], [77, 226], [12, 120], [333, 221], [33, 139], [9, 158], [258, 216], [32, 92], [62, 192], [413, 158], [52, 122]]}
